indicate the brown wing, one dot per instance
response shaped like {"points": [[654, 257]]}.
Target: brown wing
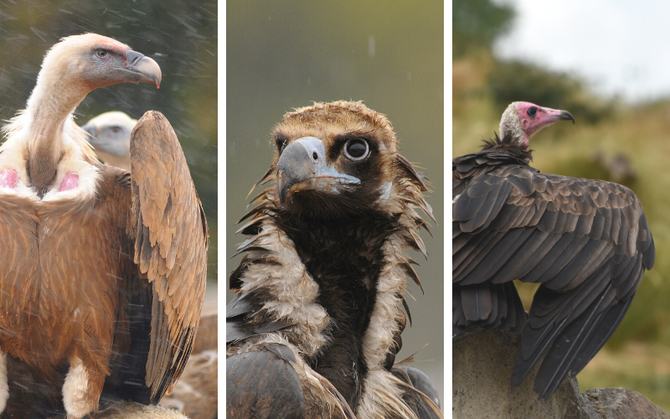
{"points": [[586, 241], [170, 246]]}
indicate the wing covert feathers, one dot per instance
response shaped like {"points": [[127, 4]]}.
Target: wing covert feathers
{"points": [[171, 239], [586, 241]]}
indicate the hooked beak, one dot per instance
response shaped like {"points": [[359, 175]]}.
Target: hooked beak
{"points": [[553, 115], [147, 69], [302, 166]]}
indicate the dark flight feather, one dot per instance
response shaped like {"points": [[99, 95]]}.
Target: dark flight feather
{"points": [[571, 235]]}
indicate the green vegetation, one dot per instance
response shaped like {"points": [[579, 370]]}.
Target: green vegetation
{"points": [[637, 355]]}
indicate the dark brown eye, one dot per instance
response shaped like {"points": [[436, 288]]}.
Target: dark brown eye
{"points": [[116, 130], [356, 149], [532, 111], [101, 53], [280, 143]]}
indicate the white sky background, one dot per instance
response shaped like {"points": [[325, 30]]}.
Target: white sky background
{"points": [[617, 47]]}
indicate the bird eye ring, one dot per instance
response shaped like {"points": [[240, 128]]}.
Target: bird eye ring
{"points": [[532, 111], [101, 53], [356, 149]]}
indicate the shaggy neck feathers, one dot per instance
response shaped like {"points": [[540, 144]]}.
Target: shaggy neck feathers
{"points": [[345, 258]]}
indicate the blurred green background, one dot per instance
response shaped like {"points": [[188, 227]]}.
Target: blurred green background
{"points": [[284, 54], [612, 140], [180, 36]]}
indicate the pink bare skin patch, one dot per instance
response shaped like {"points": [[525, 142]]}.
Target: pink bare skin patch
{"points": [[9, 178], [70, 181]]}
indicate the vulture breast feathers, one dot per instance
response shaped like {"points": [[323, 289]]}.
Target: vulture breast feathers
{"points": [[316, 322], [586, 242], [103, 273]]}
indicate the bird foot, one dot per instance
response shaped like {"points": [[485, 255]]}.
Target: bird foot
{"points": [[9, 178], [70, 181]]}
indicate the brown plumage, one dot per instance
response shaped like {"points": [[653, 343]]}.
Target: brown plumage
{"points": [[587, 242], [103, 274], [316, 322], [195, 394]]}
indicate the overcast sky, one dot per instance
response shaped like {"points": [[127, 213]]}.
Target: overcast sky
{"points": [[619, 47]]}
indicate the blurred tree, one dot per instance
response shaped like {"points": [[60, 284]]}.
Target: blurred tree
{"points": [[477, 23], [514, 80]]}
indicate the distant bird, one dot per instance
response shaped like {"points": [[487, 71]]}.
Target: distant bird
{"points": [[587, 242], [103, 275], [315, 326], [109, 134]]}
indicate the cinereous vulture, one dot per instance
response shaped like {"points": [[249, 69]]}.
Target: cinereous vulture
{"points": [[315, 325]]}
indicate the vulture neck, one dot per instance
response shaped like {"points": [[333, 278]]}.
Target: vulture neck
{"points": [[345, 257], [55, 97]]}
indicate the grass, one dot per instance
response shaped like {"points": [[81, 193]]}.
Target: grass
{"points": [[637, 355]]}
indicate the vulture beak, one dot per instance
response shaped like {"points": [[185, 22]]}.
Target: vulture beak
{"points": [[147, 69], [553, 115], [302, 166], [90, 130]]}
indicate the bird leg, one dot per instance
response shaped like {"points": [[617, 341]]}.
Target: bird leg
{"points": [[4, 387], [81, 390]]}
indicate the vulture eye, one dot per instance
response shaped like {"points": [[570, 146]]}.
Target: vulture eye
{"points": [[280, 143], [101, 53], [532, 111], [356, 149], [116, 130]]}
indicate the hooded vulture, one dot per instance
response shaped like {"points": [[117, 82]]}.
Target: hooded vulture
{"points": [[315, 324], [109, 134], [103, 274], [586, 242]]}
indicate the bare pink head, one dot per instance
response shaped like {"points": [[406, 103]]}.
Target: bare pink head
{"points": [[523, 119]]}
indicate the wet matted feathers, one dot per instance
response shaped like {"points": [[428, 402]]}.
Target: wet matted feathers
{"points": [[324, 272], [587, 242]]}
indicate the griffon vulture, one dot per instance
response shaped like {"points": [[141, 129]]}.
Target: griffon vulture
{"points": [[315, 324], [109, 134], [587, 242], [103, 275]]}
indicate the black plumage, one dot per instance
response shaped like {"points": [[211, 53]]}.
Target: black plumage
{"points": [[587, 242], [320, 289]]}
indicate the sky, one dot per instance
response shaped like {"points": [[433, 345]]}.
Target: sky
{"points": [[619, 48]]}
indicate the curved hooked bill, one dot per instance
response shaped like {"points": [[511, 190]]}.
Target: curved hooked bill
{"points": [[303, 166], [146, 68], [559, 115]]}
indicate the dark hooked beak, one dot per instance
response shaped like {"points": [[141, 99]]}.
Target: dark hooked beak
{"points": [[303, 166], [565, 116]]}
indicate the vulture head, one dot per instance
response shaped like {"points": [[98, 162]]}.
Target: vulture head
{"points": [[340, 150], [81, 63], [521, 120], [43, 142], [109, 134]]}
